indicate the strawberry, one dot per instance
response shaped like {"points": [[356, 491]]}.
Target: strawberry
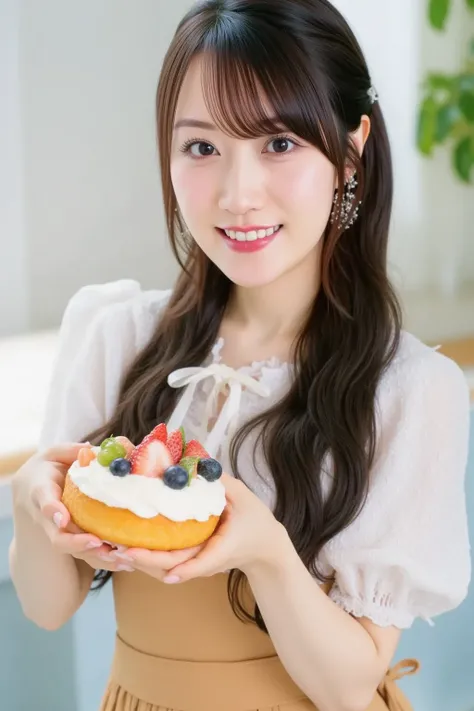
{"points": [[125, 442], [85, 456], [195, 449], [160, 433], [151, 458], [176, 445]]}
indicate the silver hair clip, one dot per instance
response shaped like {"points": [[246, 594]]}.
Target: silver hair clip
{"points": [[373, 96]]}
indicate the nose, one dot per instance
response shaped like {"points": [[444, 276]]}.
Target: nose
{"points": [[242, 187]]}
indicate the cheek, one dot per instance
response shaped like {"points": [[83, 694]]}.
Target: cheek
{"points": [[193, 190], [309, 188]]}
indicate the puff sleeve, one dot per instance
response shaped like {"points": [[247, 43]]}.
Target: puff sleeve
{"points": [[407, 554], [103, 328]]}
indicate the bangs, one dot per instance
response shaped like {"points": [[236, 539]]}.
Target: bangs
{"points": [[251, 89]]}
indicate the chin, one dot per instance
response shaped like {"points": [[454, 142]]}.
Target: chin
{"points": [[246, 280]]}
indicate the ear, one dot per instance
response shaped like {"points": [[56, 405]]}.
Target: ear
{"points": [[359, 138]]}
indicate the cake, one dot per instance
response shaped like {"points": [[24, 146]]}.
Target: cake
{"points": [[164, 494]]}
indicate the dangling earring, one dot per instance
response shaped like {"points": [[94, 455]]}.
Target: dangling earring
{"points": [[344, 217]]}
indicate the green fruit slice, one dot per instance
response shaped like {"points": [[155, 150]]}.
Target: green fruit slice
{"points": [[113, 450], [190, 464]]}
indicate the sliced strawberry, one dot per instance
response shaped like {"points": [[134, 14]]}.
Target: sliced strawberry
{"points": [[195, 449], [125, 442], [176, 445], [151, 458], [159, 433]]}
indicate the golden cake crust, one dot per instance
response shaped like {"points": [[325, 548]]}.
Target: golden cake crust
{"points": [[123, 527]]}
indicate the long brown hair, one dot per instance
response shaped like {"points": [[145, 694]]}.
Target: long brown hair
{"points": [[302, 57]]}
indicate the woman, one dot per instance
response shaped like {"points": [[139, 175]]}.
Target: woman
{"points": [[347, 445]]}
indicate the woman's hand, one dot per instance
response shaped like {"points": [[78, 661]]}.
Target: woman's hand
{"points": [[37, 489], [248, 535]]}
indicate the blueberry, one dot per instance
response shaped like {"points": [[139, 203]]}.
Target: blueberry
{"points": [[176, 477], [120, 467], [209, 469]]}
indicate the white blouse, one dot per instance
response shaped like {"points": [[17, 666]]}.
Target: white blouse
{"points": [[407, 553]]}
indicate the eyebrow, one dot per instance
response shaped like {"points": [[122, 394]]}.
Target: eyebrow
{"points": [[206, 126], [194, 123]]}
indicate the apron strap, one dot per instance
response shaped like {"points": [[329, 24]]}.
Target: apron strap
{"points": [[388, 689]]}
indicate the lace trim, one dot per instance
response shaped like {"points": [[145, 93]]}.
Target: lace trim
{"points": [[377, 610], [254, 369]]}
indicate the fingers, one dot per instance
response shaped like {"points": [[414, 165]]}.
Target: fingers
{"points": [[202, 566], [234, 488], [100, 562], [53, 509], [212, 558], [63, 533], [87, 547], [64, 453], [158, 563], [77, 543], [71, 527]]}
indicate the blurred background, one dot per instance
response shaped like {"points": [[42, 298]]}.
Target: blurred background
{"points": [[80, 203]]}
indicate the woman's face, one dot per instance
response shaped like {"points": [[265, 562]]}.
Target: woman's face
{"points": [[257, 207]]}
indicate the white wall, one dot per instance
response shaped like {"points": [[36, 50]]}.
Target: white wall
{"points": [[432, 242], [390, 37], [81, 120], [88, 77], [449, 204], [13, 270]]}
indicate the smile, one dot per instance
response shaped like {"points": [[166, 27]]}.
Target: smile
{"points": [[250, 239], [251, 234]]}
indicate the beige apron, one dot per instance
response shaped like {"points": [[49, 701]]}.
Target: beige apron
{"points": [[181, 648]]}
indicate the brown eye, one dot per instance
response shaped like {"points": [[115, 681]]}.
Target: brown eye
{"points": [[281, 145], [201, 149]]}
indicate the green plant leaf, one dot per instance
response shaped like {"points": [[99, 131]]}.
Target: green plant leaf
{"points": [[447, 117], [438, 11], [463, 158], [466, 83], [466, 104], [470, 4], [440, 82], [427, 124]]}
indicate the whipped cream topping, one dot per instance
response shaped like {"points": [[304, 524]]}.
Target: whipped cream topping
{"points": [[147, 497]]}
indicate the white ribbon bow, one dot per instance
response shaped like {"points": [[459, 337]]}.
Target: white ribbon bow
{"points": [[223, 375]]}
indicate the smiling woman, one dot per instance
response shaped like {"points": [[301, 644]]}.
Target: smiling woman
{"points": [[345, 450], [270, 178]]}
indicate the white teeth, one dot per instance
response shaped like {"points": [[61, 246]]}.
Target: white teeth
{"points": [[251, 236]]}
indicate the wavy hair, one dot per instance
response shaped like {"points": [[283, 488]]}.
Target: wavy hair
{"points": [[303, 59]]}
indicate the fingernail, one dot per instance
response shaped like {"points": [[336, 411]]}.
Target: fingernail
{"points": [[124, 557], [57, 518], [93, 544], [126, 568], [171, 579], [107, 558]]}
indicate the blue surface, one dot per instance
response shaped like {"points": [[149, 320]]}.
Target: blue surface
{"points": [[76, 659], [446, 651], [29, 655]]}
